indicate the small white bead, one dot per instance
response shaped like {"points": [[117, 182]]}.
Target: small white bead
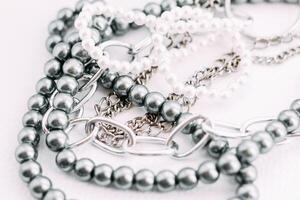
{"points": [[85, 33], [189, 91], [167, 16], [157, 39], [80, 23], [104, 61], [200, 91], [139, 18], [96, 53], [178, 88], [88, 44], [171, 79]]}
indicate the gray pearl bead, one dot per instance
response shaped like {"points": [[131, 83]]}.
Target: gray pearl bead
{"points": [[29, 135], [73, 67], [153, 102], [264, 141], [96, 35], [239, 1], [56, 140], [247, 151], [190, 128], [64, 102], [55, 194], [52, 69], [38, 102], [137, 94], [144, 180], [39, 186], [198, 135], [217, 147], [57, 120], [52, 41], [100, 23], [119, 27], [248, 192], [168, 5], [107, 79], [103, 174], [187, 178], [277, 130], [291, 1], [123, 178], [247, 174], [45, 86], [65, 15], [134, 25], [56, 27], [171, 110], [25, 152], [61, 51], [122, 85], [72, 37], [80, 53], [107, 34], [208, 172], [92, 68], [229, 164], [29, 169], [182, 3], [84, 169], [80, 4], [67, 84], [296, 106], [32, 119], [256, 1], [153, 9], [290, 119], [165, 181], [66, 160]]}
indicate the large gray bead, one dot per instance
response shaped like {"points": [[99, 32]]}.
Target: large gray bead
{"points": [[100, 23], [57, 120], [247, 174], [122, 85], [52, 41], [72, 37], [165, 181], [171, 110], [119, 27], [73, 67], [187, 178], [80, 4], [56, 140], [182, 3], [54, 194], [107, 79], [67, 84], [134, 25], [208, 172], [38, 102], [153, 9], [66, 160], [144, 180], [65, 15], [277, 130], [198, 134], [248, 192], [296, 106], [229, 164], [168, 5], [25, 152], [248, 151], [32, 119], [103, 174], [45, 86], [107, 34], [64, 102], [153, 102], [123, 178], [217, 147], [39, 186], [239, 1], [264, 141], [137, 94], [84, 169], [80, 53], [29, 135], [29, 169], [56, 27], [61, 51], [256, 1], [190, 128], [290, 119], [52, 69]]}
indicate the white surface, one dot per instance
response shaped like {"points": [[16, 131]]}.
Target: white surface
{"points": [[270, 90]]}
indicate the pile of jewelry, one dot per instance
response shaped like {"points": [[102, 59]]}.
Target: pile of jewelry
{"points": [[81, 64]]}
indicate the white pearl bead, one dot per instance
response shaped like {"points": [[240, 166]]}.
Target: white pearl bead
{"points": [[178, 88], [189, 91], [104, 61], [85, 33], [139, 18], [88, 44], [96, 53]]}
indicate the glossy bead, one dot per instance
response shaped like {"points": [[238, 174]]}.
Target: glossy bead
{"points": [[122, 85], [54, 194], [39, 186], [187, 178], [229, 164], [296, 106], [190, 128], [123, 178], [153, 102], [198, 135], [66, 160], [100, 23], [165, 181], [80, 4], [182, 3], [52, 69], [84, 169], [239, 1], [290, 119], [247, 174], [80, 53], [291, 1], [38, 102], [73, 67], [153, 9], [119, 27], [256, 1], [107, 34], [103, 174], [217, 147], [29, 169], [136, 12], [72, 37], [25, 152], [208, 172], [32, 119], [248, 192], [171, 110], [65, 15], [64, 102], [56, 27], [61, 51], [144, 180], [67, 84], [29, 135], [45, 86], [107, 79], [57, 120], [248, 151], [264, 141], [52, 41], [56, 140], [137, 94], [277, 130], [168, 5]]}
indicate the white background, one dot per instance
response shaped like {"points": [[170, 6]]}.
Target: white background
{"points": [[269, 90]]}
